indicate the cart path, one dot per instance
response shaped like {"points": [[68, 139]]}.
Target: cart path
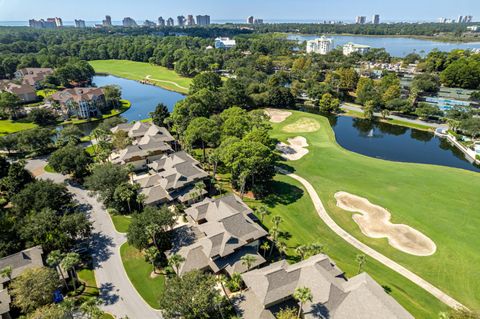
{"points": [[446, 299], [149, 77]]}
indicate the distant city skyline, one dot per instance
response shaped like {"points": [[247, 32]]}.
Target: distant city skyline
{"points": [[273, 10]]}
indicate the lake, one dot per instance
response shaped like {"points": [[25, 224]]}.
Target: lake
{"points": [[398, 47], [144, 98], [397, 143]]}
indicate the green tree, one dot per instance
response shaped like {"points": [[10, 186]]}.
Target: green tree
{"points": [[6, 272], [34, 288], [69, 134], [348, 78], [248, 260], [235, 282], [70, 262], [204, 131], [9, 104], [42, 117], [160, 114], [71, 159], [426, 82], [265, 247], [368, 110], [262, 211], [175, 261], [361, 260], [190, 297], [91, 310], [49, 312], [366, 91], [425, 111], [287, 313], [329, 104], [121, 140], [301, 251], [104, 180], [151, 255], [471, 127], [302, 295], [113, 96], [125, 193], [17, 178], [54, 260], [206, 80]]}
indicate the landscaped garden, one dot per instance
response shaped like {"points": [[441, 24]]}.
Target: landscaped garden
{"points": [[438, 201], [139, 71]]}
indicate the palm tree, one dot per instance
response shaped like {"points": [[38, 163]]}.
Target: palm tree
{"points": [[151, 255], [174, 261], [248, 260], [53, 260], [301, 251], [6, 272], [385, 113], [213, 159], [126, 193], [361, 260], [262, 211], [265, 246], [315, 249], [218, 302], [242, 180], [221, 279], [236, 281], [69, 306], [69, 263], [152, 230], [282, 248], [90, 308], [303, 295], [274, 235], [276, 220]]}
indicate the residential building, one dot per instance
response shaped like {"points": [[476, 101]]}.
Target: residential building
{"points": [[350, 48], [218, 234], [181, 21], [51, 23], [107, 22], [80, 24], [250, 20], [33, 76], [36, 24], [467, 19], [203, 20], [225, 43], [474, 28], [19, 262], [442, 20], [42, 24], [360, 19], [334, 296], [190, 20], [258, 21], [58, 22], [149, 24], [321, 45], [161, 22], [173, 177], [129, 22], [376, 19], [170, 22], [150, 142], [25, 92], [80, 102]]}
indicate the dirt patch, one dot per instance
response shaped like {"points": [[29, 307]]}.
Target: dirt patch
{"points": [[38, 171], [295, 149], [277, 116], [154, 275], [302, 125], [374, 222]]}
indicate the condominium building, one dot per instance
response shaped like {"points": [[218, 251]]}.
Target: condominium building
{"points": [[24, 92], [107, 22], [181, 21], [190, 20], [170, 22], [350, 48], [33, 76], [250, 20], [129, 22], [258, 21], [376, 19], [58, 22], [460, 19], [80, 102], [203, 19], [149, 24], [321, 45], [50, 23], [224, 43], [360, 19], [161, 22], [80, 24]]}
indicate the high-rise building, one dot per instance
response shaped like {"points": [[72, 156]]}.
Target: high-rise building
{"points": [[203, 20], [250, 20], [460, 19], [321, 45], [58, 22], [36, 24], [50, 23], [376, 19], [442, 20], [190, 20], [161, 22], [170, 22], [181, 21], [80, 24], [467, 19], [149, 24], [129, 22], [107, 22], [258, 21], [350, 48], [360, 19]]}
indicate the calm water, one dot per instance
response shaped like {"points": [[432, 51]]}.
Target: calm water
{"points": [[144, 98], [395, 46], [397, 143]]}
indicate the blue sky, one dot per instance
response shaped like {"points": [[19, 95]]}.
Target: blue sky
{"points": [[411, 10]]}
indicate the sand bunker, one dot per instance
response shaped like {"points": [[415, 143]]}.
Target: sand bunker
{"points": [[374, 222], [277, 116], [295, 149], [302, 125]]}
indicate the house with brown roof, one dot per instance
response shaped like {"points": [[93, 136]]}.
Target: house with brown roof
{"points": [[173, 177], [80, 102], [33, 76], [334, 296], [219, 233], [25, 92], [19, 262]]}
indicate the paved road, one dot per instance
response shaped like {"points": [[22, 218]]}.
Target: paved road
{"points": [[369, 251], [149, 77], [119, 296], [355, 108]]}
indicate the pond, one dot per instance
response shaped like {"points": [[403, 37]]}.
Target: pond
{"points": [[396, 46], [397, 143], [144, 98]]}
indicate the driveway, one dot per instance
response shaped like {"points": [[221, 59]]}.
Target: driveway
{"points": [[119, 296]]}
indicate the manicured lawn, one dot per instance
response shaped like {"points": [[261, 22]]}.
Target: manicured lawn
{"points": [[9, 126], [441, 202], [121, 222], [46, 92], [125, 106], [303, 226], [49, 169], [138, 270], [139, 71], [87, 276]]}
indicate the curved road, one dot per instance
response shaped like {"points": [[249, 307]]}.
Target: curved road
{"points": [[120, 298], [369, 251], [149, 77]]}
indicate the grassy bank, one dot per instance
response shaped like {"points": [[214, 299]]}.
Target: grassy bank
{"points": [[138, 271], [9, 126], [121, 222], [160, 76], [441, 202]]}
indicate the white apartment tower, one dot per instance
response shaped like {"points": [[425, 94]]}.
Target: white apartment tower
{"points": [[322, 45]]}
